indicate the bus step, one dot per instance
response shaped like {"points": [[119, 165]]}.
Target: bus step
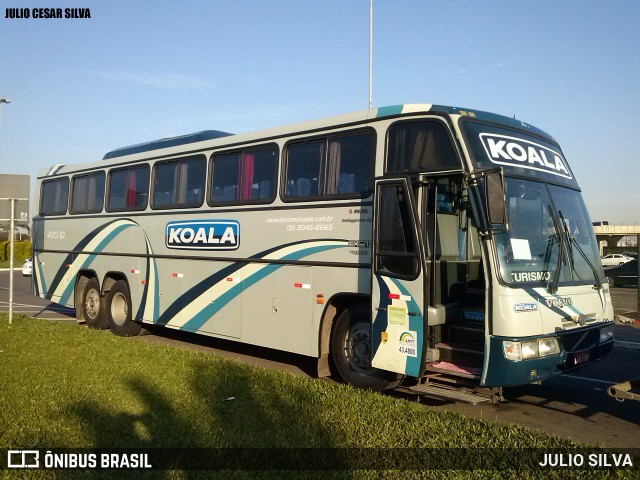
{"points": [[466, 333], [460, 353], [445, 392]]}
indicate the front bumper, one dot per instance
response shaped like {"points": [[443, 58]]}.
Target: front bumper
{"points": [[578, 348]]}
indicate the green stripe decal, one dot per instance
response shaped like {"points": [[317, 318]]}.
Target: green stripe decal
{"points": [[64, 297], [210, 310], [389, 111]]}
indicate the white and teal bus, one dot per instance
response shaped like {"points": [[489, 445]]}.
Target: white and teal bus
{"points": [[409, 243]]}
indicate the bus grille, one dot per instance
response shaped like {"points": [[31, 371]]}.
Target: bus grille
{"points": [[579, 340]]}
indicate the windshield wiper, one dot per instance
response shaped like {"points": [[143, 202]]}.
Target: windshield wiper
{"points": [[552, 286], [573, 241]]}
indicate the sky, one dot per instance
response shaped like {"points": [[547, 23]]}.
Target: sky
{"points": [[141, 70]]}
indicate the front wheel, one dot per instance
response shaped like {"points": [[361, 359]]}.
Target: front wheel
{"points": [[610, 281], [119, 311], [352, 352]]}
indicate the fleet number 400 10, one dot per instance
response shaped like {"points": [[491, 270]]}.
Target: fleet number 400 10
{"points": [[55, 234]]}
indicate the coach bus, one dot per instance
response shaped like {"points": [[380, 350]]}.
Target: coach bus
{"points": [[409, 243]]}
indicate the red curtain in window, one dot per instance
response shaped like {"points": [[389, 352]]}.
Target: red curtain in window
{"points": [[247, 176], [131, 189]]}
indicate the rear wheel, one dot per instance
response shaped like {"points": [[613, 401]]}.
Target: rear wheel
{"points": [[92, 306], [351, 351], [119, 311]]}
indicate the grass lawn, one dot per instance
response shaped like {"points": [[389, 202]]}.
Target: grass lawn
{"points": [[65, 386]]}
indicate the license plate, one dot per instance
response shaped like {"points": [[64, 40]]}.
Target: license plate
{"points": [[580, 357]]}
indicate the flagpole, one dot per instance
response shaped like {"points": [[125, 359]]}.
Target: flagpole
{"points": [[370, 54]]}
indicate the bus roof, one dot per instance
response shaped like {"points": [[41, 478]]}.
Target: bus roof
{"points": [[364, 115], [166, 142]]}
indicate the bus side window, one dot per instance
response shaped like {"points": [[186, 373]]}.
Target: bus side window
{"points": [[244, 177], [420, 146], [304, 168], [350, 164], [164, 189], [396, 253], [87, 193], [128, 189], [54, 196]]}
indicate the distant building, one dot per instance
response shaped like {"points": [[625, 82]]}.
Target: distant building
{"points": [[616, 239]]}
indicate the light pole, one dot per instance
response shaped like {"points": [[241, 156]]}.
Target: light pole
{"points": [[370, 54], [6, 100], [3, 100]]}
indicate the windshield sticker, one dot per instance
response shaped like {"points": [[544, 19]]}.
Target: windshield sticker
{"points": [[516, 152], [520, 249], [397, 315], [530, 276]]}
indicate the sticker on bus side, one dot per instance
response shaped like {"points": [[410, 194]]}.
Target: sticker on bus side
{"points": [[517, 152], [407, 344], [203, 235]]}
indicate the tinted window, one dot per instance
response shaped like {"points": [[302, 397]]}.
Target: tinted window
{"points": [[54, 197], [128, 189], [304, 169], [349, 165], [340, 166], [420, 147], [396, 250], [179, 183], [244, 177], [88, 193]]}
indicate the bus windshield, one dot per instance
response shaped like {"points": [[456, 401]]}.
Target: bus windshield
{"points": [[550, 239]]}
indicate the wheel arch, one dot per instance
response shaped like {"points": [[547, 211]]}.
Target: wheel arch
{"points": [[332, 310], [112, 277]]}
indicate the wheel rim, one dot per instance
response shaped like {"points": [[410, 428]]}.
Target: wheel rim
{"points": [[92, 304], [358, 348], [119, 309]]}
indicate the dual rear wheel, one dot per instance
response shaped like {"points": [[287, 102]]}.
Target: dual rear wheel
{"points": [[112, 311]]}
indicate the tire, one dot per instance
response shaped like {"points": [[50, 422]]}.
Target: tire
{"points": [[611, 281], [118, 302], [351, 352], [92, 306]]}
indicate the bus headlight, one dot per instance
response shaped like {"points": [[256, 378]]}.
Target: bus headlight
{"points": [[540, 347], [548, 346], [529, 349]]}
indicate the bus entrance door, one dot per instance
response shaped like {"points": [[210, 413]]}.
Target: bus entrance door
{"points": [[397, 290]]}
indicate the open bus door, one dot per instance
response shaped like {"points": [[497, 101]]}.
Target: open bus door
{"points": [[398, 338]]}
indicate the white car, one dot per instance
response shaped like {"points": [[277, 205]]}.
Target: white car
{"points": [[615, 259], [27, 268]]}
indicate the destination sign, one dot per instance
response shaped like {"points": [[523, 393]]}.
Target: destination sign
{"points": [[517, 152]]}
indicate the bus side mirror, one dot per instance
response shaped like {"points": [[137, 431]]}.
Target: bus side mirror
{"points": [[494, 193]]}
